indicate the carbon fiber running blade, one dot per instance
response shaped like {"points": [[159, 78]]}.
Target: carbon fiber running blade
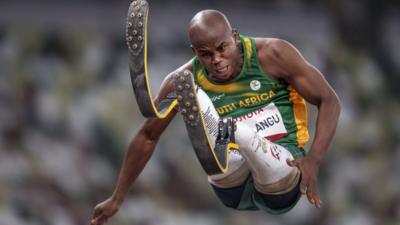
{"points": [[213, 161], [136, 39]]}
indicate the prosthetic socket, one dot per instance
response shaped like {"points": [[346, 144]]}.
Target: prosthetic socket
{"points": [[265, 160]]}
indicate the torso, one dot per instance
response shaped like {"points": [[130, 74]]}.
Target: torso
{"points": [[269, 105]]}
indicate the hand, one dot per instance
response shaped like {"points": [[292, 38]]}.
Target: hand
{"points": [[103, 211], [309, 167]]}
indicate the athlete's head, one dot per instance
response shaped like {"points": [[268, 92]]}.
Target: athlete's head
{"points": [[215, 44]]}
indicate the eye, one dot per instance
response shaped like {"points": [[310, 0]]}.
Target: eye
{"points": [[205, 54], [222, 47]]}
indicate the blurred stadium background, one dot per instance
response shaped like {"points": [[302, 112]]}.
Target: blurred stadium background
{"points": [[67, 111]]}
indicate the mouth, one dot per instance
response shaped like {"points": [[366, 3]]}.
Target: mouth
{"points": [[222, 71]]}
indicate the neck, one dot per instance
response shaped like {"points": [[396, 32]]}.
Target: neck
{"points": [[239, 61]]}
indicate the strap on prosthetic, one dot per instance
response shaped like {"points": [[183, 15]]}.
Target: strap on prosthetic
{"points": [[213, 157], [226, 135]]}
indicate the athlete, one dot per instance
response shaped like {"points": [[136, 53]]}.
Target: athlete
{"points": [[263, 83]]}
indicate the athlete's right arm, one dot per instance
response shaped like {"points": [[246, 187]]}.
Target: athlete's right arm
{"points": [[139, 152]]}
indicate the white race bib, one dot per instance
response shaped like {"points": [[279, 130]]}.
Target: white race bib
{"points": [[266, 122]]}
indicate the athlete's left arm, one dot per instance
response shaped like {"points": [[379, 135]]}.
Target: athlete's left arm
{"points": [[309, 82]]}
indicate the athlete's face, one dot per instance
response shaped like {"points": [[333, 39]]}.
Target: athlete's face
{"points": [[219, 53]]}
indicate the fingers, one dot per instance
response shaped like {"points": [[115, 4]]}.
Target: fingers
{"points": [[103, 211], [99, 217], [97, 212], [308, 184], [97, 220], [293, 163], [303, 186], [312, 194], [309, 188]]}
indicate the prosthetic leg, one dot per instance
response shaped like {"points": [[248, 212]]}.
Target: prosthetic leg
{"points": [[265, 160], [201, 134], [212, 140], [211, 145]]}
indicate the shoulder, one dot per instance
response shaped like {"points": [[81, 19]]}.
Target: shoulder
{"points": [[276, 56], [272, 47]]}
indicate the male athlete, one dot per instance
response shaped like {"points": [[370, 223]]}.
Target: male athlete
{"points": [[263, 84]]}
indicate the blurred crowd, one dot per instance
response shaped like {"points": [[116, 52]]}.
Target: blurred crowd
{"points": [[67, 114]]}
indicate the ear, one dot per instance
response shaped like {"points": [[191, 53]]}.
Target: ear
{"points": [[193, 49], [235, 35]]}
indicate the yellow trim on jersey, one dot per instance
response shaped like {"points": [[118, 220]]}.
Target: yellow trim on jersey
{"points": [[249, 49], [300, 116], [222, 88]]}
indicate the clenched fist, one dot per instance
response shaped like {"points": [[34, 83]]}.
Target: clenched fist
{"points": [[103, 211]]}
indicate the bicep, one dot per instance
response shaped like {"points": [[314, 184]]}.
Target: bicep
{"points": [[308, 81]]}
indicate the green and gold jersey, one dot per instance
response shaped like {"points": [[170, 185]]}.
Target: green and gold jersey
{"points": [[271, 107]]}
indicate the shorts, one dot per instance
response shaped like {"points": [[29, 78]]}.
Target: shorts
{"points": [[246, 197]]}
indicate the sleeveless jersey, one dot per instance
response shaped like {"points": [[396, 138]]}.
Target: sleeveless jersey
{"points": [[271, 107]]}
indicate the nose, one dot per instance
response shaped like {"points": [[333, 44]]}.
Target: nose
{"points": [[217, 58]]}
